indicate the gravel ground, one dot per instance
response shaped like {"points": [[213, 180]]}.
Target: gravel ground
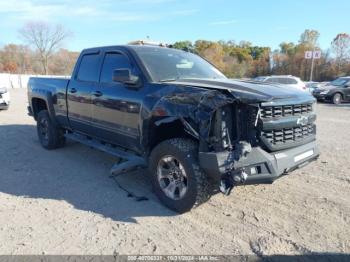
{"points": [[63, 202]]}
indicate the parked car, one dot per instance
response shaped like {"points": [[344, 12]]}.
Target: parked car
{"points": [[311, 86], [174, 113], [337, 91], [288, 80], [4, 98]]}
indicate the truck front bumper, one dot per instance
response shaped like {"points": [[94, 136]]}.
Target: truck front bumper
{"points": [[259, 165]]}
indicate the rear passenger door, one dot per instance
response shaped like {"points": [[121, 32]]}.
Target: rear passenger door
{"points": [[116, 106], [79, 99]]}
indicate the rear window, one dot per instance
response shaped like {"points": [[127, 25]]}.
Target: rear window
{"points": [[272, 80], [291, 81], [283, 80], [89, 68]]}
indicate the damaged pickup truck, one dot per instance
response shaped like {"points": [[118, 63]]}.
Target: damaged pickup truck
{"points": [[174, 113]]}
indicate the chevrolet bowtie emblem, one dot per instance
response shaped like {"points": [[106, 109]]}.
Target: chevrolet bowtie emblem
{"points": [[303, 120]]}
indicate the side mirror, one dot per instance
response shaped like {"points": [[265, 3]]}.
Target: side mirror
{"points": [[126, 77]]}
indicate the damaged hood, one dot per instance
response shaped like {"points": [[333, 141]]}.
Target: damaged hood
{"points": [[249, 91]]}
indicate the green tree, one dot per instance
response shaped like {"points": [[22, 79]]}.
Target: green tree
{"points": [[309, 38], [288, 48], [183, 45]]}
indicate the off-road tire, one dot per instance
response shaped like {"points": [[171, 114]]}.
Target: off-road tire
{"points": [[198, 186], [55, 135], [336, 99]]}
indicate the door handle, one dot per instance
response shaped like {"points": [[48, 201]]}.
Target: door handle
{"points": [[97, 93], [72, 90]]}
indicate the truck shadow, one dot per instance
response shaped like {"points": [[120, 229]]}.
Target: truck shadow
{"points": [[75, 174]]}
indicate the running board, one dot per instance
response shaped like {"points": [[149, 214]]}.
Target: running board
{"points": [[129, 161]]}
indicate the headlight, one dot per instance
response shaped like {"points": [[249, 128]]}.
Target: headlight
{"points": [[324, 92]]}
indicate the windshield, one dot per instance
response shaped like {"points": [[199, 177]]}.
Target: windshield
{"points": [[339, 82], [166, 64]]}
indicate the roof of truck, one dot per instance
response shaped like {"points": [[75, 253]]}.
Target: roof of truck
{"points": [[128, 46]]}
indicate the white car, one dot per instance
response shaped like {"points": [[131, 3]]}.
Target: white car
{"points": [[288, 80], [4, 98]]}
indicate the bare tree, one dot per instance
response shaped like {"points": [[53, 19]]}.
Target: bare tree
{"points": [[45, 38], [341, 48]]}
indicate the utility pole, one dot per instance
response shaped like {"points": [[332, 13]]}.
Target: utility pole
{"points": [[312, 55], [312, 65]]}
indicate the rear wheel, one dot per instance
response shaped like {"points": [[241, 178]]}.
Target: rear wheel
{"points": [[50, 135], [177, 180], [336, 99]]}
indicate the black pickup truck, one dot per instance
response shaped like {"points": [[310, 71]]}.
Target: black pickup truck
{"points": [[174, 113]]}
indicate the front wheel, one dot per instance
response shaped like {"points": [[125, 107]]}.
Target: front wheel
{"points": [[336, 99], [177, 179], [50, 135]]}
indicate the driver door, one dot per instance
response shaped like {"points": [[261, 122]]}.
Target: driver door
{"points": [[115, 106]]}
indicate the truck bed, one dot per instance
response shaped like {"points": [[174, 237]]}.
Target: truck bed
{"points": [[48, 83], [52, 90]]}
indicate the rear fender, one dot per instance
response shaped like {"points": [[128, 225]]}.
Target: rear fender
{"points": [[49, 100]]}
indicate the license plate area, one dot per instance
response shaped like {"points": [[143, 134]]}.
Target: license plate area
{"points": [[303, 155]]}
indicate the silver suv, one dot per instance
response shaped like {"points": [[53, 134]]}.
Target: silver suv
{"points": [[288, 80]]}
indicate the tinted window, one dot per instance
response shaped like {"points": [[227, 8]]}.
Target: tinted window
{"points": [[272, 80], [339, 82], [282, 80], [111, 62], [89, 68], [291, 81]]}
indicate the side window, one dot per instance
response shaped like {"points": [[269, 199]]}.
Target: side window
{"points": [[291, 81], [282, 80], [273, 80], [89, 68], [111, 62]]}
